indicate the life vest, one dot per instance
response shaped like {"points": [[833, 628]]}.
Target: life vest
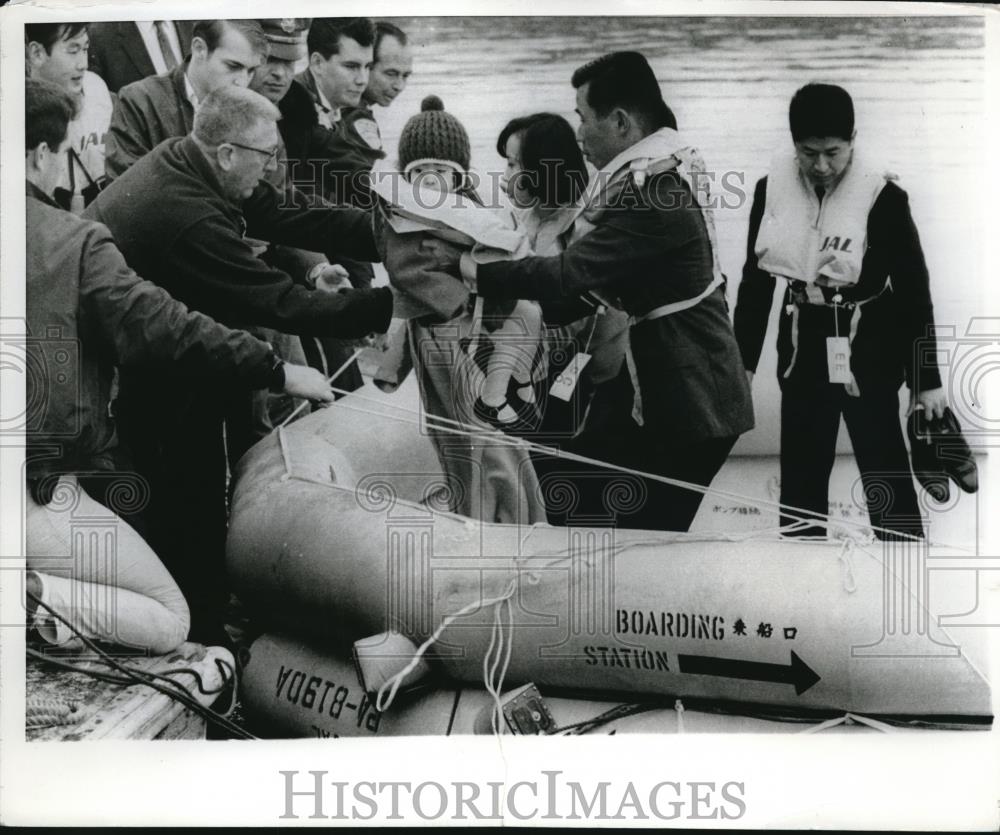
{"points": [[663, 150], [818, 246], [817, 242]]}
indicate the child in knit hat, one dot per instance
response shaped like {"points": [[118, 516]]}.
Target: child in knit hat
{"points": [[434, 160]]}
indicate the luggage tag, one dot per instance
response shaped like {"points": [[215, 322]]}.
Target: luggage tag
{"points": [[567, 379], [838, 359], [838, 351]]}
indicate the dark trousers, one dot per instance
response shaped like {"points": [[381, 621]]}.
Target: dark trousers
{"points": [[182, 457], [584, 494], [596, 423], [810, 420], [667, 507]]}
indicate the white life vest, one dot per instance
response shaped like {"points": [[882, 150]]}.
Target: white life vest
{"points": [[663, 150], [819, 243]]}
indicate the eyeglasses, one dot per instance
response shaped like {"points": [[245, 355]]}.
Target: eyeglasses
{"points": [[271, 155]]}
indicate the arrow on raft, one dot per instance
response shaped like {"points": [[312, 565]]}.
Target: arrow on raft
{"points": [[797, 673]]}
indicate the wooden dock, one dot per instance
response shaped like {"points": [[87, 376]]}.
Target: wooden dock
{"points": [[87, 708]]}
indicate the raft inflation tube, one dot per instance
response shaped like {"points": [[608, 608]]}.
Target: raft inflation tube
{"points": [[291, 689], [338, 533]]}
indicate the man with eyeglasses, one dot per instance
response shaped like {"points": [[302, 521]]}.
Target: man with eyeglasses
{"points": [[180, 216]]}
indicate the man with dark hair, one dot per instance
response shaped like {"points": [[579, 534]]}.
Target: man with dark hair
{"points": [[651, 252], [625, 79], [327, 154], [392, 68], [181, 215], [163, 106], [840, 233], [124, 51], [340, 60], [81, 292], [57, 52]]}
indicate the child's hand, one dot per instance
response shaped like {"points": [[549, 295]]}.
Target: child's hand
{"points": [[445, 255]]}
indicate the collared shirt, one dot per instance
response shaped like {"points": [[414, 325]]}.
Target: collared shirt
{"points": [[147, 29], [327, 113], [191, 94]]}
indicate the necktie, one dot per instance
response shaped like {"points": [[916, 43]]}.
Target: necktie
{"points": [[169, 58], [820, 192]]}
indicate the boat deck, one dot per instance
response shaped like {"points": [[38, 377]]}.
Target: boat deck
{"points": [[77, 706]]}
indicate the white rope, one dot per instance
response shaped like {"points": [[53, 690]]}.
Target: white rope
{"points": [[333, 377], [382, 702], [847, 565], [492, 680], [470, 430], [286, 456], [850, 719], [802, 515]]}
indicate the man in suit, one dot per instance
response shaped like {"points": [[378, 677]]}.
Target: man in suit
{"points": [[163, 106], [125, 51]]}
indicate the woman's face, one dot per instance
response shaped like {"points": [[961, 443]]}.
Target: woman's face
{"points": [[515, 177]]}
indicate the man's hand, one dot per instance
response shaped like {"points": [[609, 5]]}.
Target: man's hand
{"points": [[932, 401], [308, 383], [332, 278], [446, 256]]}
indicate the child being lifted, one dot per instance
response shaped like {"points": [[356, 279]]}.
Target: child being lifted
{"points": [[436, 198]]}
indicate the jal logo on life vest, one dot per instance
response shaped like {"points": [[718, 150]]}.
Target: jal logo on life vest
{"points": [[834, 242]]}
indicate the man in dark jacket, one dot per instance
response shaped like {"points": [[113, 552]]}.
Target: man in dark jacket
{"points": [[651, 249], [124, 51], [180, 215], [340, 60], [326, 155], [880, 317], [222, 52], [87, 311]]}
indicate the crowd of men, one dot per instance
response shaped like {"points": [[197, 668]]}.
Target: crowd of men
{"points": [[170, 128]]}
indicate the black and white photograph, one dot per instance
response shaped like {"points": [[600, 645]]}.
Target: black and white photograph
{"points": [[500, 414]]}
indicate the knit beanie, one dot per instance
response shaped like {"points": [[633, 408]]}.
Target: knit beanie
{"points": [[433, 135]]}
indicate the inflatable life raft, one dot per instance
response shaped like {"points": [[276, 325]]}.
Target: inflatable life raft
{"points": [[339, 532]]}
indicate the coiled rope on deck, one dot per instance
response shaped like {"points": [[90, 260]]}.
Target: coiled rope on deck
{"points": [[48, 711]]}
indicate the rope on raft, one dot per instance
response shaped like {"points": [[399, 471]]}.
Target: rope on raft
{"points": [[803, 517], [387, 692]]}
